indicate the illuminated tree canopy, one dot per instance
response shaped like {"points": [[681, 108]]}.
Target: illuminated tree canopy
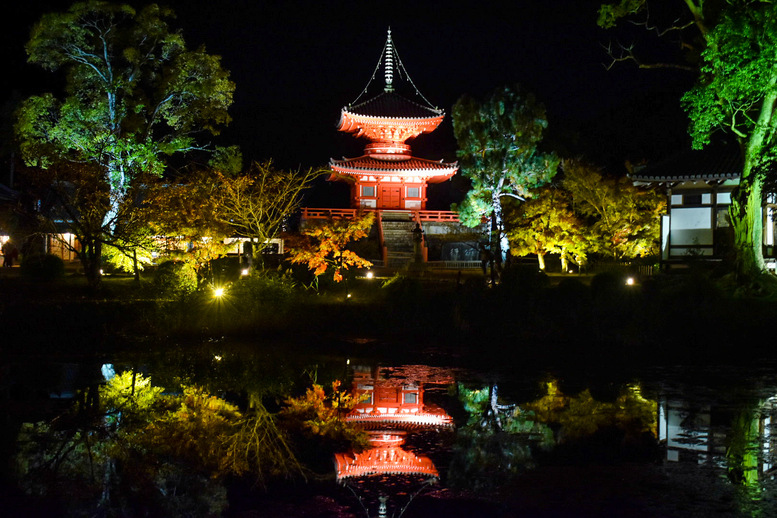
{"points": [[624, 219], [498, 139], [546, 224]]}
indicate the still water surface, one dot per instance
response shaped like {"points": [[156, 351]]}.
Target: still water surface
{"points": [[456, 438]]}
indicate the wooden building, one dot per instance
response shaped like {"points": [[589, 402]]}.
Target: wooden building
{"points": [[698, 187]]}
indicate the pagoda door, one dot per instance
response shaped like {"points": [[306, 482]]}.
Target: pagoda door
{"points": [[389, 197]]}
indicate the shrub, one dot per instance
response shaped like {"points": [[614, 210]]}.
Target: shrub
{"points": [[175, 278], [262, 288], [45, 267]]}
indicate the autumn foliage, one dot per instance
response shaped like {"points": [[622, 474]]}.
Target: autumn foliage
{"points": [[323, 245]]}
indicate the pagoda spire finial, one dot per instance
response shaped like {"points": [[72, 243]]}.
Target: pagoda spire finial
{"points": [[388, 64]]}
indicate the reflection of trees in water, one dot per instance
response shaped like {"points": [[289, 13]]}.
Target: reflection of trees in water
{"points": [[499, 441], [141, 452]]}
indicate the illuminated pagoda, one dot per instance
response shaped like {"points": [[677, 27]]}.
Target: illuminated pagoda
{"points": [[388, 176]]}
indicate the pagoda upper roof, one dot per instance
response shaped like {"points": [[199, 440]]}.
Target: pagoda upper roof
{"points": [[392, 105], [367, 165]]}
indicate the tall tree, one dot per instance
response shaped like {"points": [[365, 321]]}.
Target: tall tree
{"points": [[498, 141], [736, 93], [624, 219], [134, 95]]}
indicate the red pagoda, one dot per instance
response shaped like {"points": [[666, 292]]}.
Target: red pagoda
{"points": [[388, 176]]}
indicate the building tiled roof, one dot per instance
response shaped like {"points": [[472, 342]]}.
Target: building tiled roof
{"points": [[412, 165], [391, 104], [711, 164]]}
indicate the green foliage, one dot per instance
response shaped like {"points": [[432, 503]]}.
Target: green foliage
{"points": [[120, 256], [44, 267], [609, 14], [266, 289], [228, 160], [130, 396], [134, 92], [737, 75], [134, 96], [175, 278]]}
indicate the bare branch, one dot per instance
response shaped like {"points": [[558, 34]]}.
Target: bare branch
{"points": [[626, 53]]}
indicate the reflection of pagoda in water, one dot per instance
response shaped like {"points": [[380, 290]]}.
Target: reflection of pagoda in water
{"points": [[384, 457], [391, 410]]}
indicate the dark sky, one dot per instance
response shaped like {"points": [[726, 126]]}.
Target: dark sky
{"points": [[296, 63]]}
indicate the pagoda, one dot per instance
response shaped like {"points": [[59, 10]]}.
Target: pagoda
{"points": [[387, 176]]}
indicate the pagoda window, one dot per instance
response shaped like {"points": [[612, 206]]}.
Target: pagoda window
{"points": [[411, 398], [368, 191], [413, 192]]}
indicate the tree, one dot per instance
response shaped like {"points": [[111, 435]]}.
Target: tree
{"points": [[258, 203], [323, 245], [625, 219], [76, 194], [736, 93], [134, 95], [498, 141], [185, 214], [545, 225]]}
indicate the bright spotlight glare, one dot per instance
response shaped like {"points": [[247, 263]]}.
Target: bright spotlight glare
{"points": [[630, 281], [369, 275], [218, 292], [244, 272]]}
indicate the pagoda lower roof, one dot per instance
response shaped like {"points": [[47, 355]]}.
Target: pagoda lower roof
{"points": [[367, 165]]}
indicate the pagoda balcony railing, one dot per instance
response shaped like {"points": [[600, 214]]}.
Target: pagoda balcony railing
{"points": [[416, 215]]}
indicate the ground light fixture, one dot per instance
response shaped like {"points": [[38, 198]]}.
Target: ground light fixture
{"points": [[630, 281], [218, 292], [369, 274], [244, 272]]}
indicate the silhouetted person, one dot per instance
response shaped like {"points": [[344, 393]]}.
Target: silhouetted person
{"points": [[10, 253]]}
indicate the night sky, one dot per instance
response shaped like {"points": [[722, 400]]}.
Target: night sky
{"points": [[297, 63]]}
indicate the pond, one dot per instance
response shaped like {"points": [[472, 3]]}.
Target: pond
{"points": [[441, 435]]}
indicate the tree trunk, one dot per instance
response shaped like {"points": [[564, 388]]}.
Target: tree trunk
{"points": [[541, 261], [746, 218], [497, 232], [91, 260], [564, 262], [747, 199]]}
